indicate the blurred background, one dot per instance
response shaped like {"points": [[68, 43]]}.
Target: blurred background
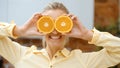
{"points": [[104, 15]]}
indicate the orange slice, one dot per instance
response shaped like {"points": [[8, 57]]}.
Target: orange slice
{"points": [[45, 24], [63, 24]]}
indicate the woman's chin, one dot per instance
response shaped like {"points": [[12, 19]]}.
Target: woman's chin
{"points": [[56, 45]]}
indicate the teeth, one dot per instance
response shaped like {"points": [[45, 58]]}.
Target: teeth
{"points": [[55, 37]]}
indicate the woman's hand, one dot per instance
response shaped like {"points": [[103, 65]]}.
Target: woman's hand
{"points": [[29, 28], [78, 30]]}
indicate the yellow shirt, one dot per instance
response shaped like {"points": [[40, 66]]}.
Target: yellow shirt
{"points": [[30, 57]]}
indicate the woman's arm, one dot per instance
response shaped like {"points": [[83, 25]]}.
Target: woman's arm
{"points": [[79, 30], [11, 50], [108, 56], [29, 28]]}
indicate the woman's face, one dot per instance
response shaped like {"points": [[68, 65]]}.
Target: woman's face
{"points": [[55, 39]]}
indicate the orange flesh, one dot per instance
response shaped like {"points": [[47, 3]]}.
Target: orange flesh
{"points": [[45, 24], [63, 24]]}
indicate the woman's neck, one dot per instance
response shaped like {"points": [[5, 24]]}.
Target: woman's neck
{"points": [[52, 50]]}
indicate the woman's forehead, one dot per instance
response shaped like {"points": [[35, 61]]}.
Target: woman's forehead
{"points": [[53, 13]]}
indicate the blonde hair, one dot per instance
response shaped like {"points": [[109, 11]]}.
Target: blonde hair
{"points": [[54, 6]]}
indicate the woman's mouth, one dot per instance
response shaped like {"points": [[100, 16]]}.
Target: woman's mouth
{"points": [[55, 37]]}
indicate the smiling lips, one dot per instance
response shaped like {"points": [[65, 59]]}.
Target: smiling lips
{"points": [[55, 37]]}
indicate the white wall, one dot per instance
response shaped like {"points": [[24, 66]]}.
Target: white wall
{"points": [[22, 10]]}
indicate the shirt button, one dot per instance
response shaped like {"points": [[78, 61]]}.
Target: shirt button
{"points": [[51, 66], [60, 51], [56, 56]]}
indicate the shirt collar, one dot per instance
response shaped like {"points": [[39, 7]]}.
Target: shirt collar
{"points": [[64, 51]]}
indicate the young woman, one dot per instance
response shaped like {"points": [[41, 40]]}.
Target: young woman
{"points": [[54, 54]]}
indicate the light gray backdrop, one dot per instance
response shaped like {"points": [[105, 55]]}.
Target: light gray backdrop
{"points": [[22, 10]]}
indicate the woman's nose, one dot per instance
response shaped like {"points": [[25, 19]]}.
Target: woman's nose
{"points": [[54, 32]]}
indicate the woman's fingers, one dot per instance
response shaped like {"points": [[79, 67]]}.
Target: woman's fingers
{"points": [[29, 28], [33, 19], [37, 16]]}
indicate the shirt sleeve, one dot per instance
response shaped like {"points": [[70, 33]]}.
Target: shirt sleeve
{"points": [[9, 49], [108, 56]]}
